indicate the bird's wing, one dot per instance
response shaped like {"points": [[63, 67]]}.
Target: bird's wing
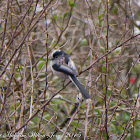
{"points": [[64, 69], [72, 66]]}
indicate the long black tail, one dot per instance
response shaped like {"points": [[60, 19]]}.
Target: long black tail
{"points": [[80, 87]]}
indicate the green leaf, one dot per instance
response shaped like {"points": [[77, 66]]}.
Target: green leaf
{"points": [[100, 17], [109, 92], [136, 68], [31, 9], [17, 70], [54, 107], [65, 14], [83, 42], [117, 51], [76, 124], [71, 3], [56, 101], [96, 112], [17, 75], [17, 104], [13, 26], [40, 65], [42, 59], [47, 116], [54, 17], [103, 69], [137, 123], [137, 133], [88, 57], [82, 105], [126, 117], [34, 121], [53, 43], [102, 49], [114, 10]]}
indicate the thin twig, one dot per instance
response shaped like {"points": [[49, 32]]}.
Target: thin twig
{"points": [[90, 66], [106, 73]]}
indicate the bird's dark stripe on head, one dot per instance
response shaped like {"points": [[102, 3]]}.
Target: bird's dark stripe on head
{"points": [[67, 59], [57, 53], [62, 53]]}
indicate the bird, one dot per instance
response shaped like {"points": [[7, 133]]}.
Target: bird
{"points": [[63, 67]]}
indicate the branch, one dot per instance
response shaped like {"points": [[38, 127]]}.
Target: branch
{"points": [[90, 66]]}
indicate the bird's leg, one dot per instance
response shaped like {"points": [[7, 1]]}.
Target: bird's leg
{"points": [[63, 83]]}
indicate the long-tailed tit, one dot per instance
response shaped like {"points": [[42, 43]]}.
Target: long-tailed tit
{"points": [[63, 67]]}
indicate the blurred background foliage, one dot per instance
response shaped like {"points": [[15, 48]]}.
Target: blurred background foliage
{"points": [[87, 30]]}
